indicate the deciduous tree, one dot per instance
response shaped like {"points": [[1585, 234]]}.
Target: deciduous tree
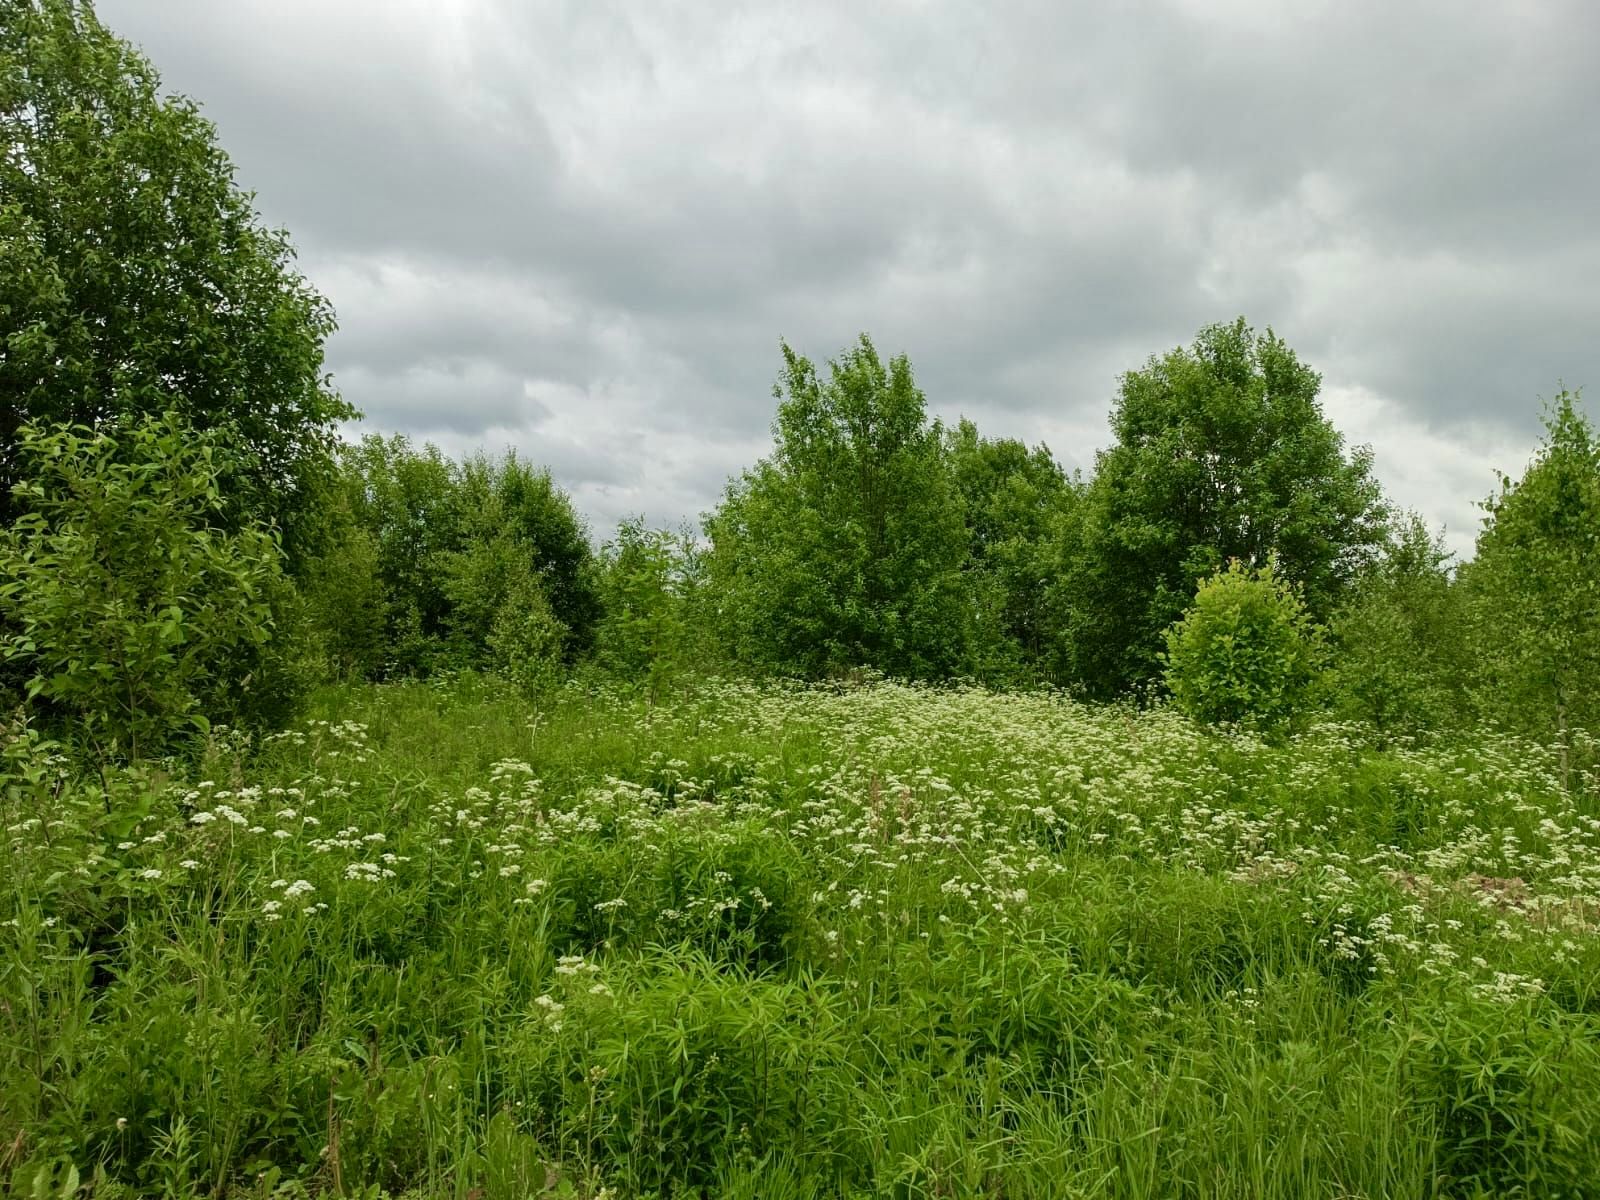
{"points": [[1222, 452], [1533, 588], [136, 277], [845, 548]]}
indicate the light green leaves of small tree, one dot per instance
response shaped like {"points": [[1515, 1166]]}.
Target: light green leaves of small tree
{"points": [[1246, 652], [651, 635], [1533, 590], [845, 548], [132, 616]]}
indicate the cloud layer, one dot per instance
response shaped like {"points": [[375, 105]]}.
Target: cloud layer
{"points": [[580, 228]]}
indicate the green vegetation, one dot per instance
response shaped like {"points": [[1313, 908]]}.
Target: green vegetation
{"points": [[133, 615], [845, 548], [1222, 453], [1246, 652], [769, 940], [136, 279], [930, 822]]}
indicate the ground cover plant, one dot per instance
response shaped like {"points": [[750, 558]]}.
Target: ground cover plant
{"points": [[773, 940]]}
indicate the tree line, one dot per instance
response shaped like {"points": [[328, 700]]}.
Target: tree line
{"points": [[184, 539]]}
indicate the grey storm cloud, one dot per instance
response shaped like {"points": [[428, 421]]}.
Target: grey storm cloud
{"points": [[580, 228]]}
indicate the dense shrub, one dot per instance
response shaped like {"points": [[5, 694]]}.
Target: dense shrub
{"points": [[1245, 652], [133, 618], [1397, 641], [525, 639]]}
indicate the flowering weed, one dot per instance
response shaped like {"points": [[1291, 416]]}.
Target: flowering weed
{"points": [[772, 940]]}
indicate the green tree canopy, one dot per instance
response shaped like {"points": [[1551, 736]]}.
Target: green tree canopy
{"points": [[512, 497], [135, 276], [1397, 638], [651, 585], [1222, 452], [1014, 498], [845, 548], [454, 544], [1534, 586]]}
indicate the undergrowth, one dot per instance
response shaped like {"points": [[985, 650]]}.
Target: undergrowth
{"points": [[782, 942]]}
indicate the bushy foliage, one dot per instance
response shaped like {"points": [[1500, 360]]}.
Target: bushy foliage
{"points": [[845, 549], [470, 559], [508, 496], [1397, 645], [1246, 652], [345, 599], [1014, 499], [132, 617], [652, 592], [135, 277], [404, 500], [526, 642], [1222, 451], [1533, 588]]}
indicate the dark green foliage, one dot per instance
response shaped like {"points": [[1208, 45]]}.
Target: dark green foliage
{"points": [[1246, 652], [345, 597], [481, 564], [1533, 590], [845, 549], [404, 500], [1397, 640], [135, 277], [129, 617], [511, 497], [1221, 452], [1014, 499], [1504, 1087]]}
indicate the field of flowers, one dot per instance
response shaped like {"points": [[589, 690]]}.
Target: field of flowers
{"points": [[781, 942]]}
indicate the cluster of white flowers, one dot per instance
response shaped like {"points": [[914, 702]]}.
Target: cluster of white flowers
{"points": [[367, 872]]}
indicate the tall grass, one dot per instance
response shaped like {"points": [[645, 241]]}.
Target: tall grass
{"points": [[781, 942]]}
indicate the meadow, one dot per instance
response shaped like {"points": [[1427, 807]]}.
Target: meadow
{"points": [[781, 941]]}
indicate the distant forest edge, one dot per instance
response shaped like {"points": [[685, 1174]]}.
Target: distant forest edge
{"points": [[184, 540]]}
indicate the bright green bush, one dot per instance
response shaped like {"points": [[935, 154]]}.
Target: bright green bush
{"points": [[130, 617], [1246, 652], [525, 640], [651, 581]]}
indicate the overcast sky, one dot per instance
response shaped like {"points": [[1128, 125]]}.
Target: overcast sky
{"points": [[581, 228]]}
